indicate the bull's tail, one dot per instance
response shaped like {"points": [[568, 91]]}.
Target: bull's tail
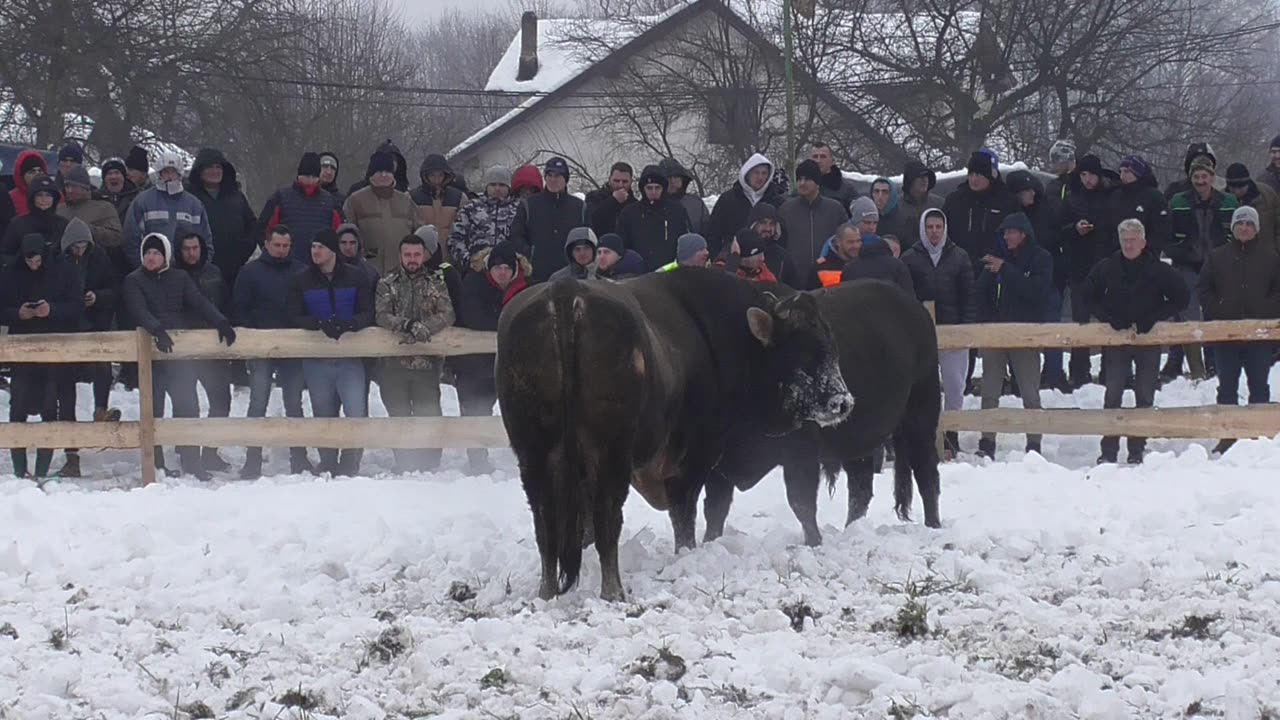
{"points": [[831, 471], [566, 499]]}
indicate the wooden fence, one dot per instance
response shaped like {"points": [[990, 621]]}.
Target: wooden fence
{"points": [[454, 432]]}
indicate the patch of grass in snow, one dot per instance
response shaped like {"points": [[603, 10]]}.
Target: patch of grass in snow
{"points": [[241, 698], [7, 630], [461, 592], [797, 612], [738, 696], [60, 638], [904, 710], [1196, 627], [307, 700], [390, 644], [242, 657], [912, 619], [217, 672], [494, 679], [385, 616], [197, 710], [664, 665]]}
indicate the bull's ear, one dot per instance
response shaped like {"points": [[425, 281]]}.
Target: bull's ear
{"points": [[761, 324]]}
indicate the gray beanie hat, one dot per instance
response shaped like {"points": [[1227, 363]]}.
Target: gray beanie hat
{"points": [[78, 231], [863, 208], [688, 245], [430, 237], [1243, 214], [1062, 151], [497, 175]]}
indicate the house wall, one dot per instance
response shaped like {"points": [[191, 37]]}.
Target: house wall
{"points": [[592, 138]]}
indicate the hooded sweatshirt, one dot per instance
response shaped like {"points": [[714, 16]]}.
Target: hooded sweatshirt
{"points": [[734, 205], [19, 192], [167, 299], [94, 272], [46, 223], [359, 261], [436, 206], [693, 205], [1020, 291], [943, 275], [55, 282]]}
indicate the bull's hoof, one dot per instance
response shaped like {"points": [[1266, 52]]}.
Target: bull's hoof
{"points": [[546, 592], [712, 535], [612, 594], [812, 538], [933, 522], [857, 511]]}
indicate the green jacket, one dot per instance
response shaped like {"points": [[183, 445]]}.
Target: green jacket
{"points": [[1199, 227], [415, 306]]}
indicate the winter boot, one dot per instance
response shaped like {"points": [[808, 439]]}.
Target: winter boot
{"points": [[19, 457], [299, 463], [1033, 446], [1222, 447], [987, 448], [1107, 458], [1195, 363], [44, 458], [70, 468], [106, 415], [478, 462], [252, 469], [951, 444], [210, 460]]}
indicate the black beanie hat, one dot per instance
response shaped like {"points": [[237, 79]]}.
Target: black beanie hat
{"points": [[613, 241], [504, 253], [309, 165], [327, 237], [809, 169], [980, 164], [749, 243], [380, 162], [137, 159]]}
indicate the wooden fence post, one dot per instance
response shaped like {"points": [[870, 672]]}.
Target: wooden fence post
{"points": [[146, 414]]}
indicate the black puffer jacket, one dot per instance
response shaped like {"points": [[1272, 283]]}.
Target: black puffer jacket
{"points": [[876, 262], [95, 273], [1082, 252], [207, 275], [1044, 213], [168, 299], [603, 211], [1143, 291], [55, 282], [47, 223], [261, 294], [651, 228], [230, 217], [973, 218], [1143, 200], [542, 223], [1240, 281], [949, 284]]}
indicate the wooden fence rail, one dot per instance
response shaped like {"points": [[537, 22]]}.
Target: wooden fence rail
{"points": [[454, 432]]}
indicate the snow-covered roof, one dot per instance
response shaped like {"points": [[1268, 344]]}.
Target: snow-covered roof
{"points": [[561, 56]]}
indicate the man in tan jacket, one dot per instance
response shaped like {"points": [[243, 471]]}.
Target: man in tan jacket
{"points": [[99, 215], [383, 214], [437, 199]]}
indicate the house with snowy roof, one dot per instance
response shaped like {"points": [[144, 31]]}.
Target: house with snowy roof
{"points": [[699, 83]]}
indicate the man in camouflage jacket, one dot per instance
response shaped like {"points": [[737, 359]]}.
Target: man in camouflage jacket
{"points": [[485, 222], [413, 302]]}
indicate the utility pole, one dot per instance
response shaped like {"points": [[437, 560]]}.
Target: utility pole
{"points": [[791, 99]]}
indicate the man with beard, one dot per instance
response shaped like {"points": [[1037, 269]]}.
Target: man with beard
{"points": [[764, 220], [383, 214], [99, 215], [844, 247], [41, 219], [213, 375], [351, 252], [413, 302], [28, 166], [734, 205], [832, 182], [652, 225], [213, 181], [614, 261], [1086, 238], [604, 205], [679, 184], [485, 222], [544, 219], [38, 294]]}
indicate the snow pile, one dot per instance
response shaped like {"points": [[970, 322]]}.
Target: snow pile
{"points": [[1053, 591]]}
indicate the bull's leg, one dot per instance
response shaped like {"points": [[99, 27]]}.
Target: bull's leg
{"points": [[802, 478], [536, 479], [924, 463], [715, 506], [902, 493], [861, 472], [684, 510], [588, 527], [608, 524]]}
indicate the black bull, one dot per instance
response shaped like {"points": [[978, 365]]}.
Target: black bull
{"points": [[648, 383], [889, 359]]}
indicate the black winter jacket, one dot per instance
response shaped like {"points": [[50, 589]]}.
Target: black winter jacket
{"points": [[55, 282], [973, 218], [343, 296], [876, 262], [230, 217], [40, 222], [1144, 201], [168, 300], [1020, 291], [208, 278], [1082, 252], [730, 215], [542, 223], [260, 297], [478, 308], [603, 212], [949, 285], [95, 273], [1240, 281], [651, 229], [1143, 291]]}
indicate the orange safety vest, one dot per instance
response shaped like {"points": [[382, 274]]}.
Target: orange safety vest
{"points": [[830, 278]]}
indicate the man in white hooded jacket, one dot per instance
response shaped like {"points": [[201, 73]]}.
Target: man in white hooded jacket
{"points": [[734, 205]]}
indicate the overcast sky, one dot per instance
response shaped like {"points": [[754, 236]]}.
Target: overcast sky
{"points": [[423, 9]]}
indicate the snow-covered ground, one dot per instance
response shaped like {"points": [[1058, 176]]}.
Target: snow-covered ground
{"points": [[1054, 590]]}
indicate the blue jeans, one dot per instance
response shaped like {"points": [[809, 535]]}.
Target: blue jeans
{"points": [[288, 375], [1255, 360], [329, 381]]}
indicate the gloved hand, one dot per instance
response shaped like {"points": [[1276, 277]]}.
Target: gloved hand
{"points": [[1118, 325], [419, 331], [164, 343], [227, 334], [1145, 325], [331, 328]]}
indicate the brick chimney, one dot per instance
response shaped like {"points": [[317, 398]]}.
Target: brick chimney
{"points": [[528, 66]]}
